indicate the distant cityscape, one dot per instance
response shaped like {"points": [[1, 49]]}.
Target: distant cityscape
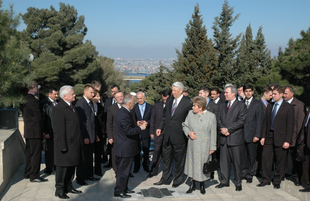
{"points": [[141, 66]]}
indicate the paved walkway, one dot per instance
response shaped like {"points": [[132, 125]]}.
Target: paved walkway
{"points": [[22, 189]]}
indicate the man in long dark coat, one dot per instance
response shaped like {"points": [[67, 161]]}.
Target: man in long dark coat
{"points": [[68, 150]]}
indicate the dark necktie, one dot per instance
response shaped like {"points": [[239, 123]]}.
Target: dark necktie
{"points": [[273, 115], [228, 108], [91, 106], [247, 103], [174, 106]]}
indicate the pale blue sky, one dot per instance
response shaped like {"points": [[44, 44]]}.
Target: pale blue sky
{"points": [[154, 28]]}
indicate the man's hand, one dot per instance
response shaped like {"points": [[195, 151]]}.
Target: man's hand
{"points": [[286, 145], [97, 139], [110, 141], [47, 136], [262, 141], [224, 131], [158, 132], [152, 136], [212, 151], [143, 125], [192, 135], [139, 123], [255, 139], [64, 150], [86, 141]]}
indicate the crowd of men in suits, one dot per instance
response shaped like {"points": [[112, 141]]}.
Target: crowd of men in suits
{"points": [[253, 135]]}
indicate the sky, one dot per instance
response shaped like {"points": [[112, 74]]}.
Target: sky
{"points": [[156, 28]]}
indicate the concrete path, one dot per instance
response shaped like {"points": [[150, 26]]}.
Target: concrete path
{"points": [[22, 189]]}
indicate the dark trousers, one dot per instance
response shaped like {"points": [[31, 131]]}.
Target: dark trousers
{"points": [[176, 152], [63, 179], [122, 176], [157, 154], [33, 157], [114, 157], [259, 159], [49, 155], [307, 165], [297, 166], [249, 160], [98, 146], [146, 160], [271, 152], [85, 170], [232, 154]]}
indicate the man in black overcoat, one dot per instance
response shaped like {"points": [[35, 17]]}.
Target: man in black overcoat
{"points": [[127, 134], [33, 133], [68, 141], [174, 142]]}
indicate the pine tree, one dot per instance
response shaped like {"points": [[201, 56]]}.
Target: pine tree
{"points": [[226, 46], [56, 41], [194, 65]]}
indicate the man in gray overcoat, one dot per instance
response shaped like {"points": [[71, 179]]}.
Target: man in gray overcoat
{"points": [[68, 142]]}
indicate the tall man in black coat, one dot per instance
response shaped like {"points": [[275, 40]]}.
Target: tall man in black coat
{"points": [[85, 109], [68, 142], [174, 142], [157, 114], [111, 125], [143, 111], [252, 132], [33, 129], [47, 107], [127, 134], [277, 135], [230, 120]]}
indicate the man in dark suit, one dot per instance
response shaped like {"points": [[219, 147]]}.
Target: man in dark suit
{"points": [[266, 96], [33, 129], [252, 132], [109, 102], [157, 114], [306, 141], [85, 109], [111, 125], [215, 96], [277, 135], [143, 111], [127, 134], [230, 120], [300, 112], [68, 142], [211, 106], [174, 142], [47, 106]]}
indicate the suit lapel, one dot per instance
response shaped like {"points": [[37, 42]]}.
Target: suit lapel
{"points": [[179, 107]]}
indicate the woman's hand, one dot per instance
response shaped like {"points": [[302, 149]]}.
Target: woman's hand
{"points": [[212, 151], [192, 135]]}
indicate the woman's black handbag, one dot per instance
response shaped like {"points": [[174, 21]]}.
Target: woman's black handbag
{"points": [[211, 166]]}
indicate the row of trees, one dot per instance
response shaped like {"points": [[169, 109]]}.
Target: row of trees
{"points": [[226, 59], [56, 39]]}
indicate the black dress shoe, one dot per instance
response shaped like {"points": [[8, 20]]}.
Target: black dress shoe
{"points": [[40, 179], [175, 185], [297, 183], [304, 190], [262, 184], [81, 182], [99, 174], [93, 179], [62, 196], [222, 185], [238, 188], [249, 180], [122, 195], [135, 171], [74, 191], [161, 183], [276, 186], [129, 191], [49, 172], [150, 175], [108, 165], [212, 176], [131, 175]]}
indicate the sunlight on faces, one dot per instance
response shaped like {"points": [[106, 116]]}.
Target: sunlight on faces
{"points": [[96, 98], [240, 92], [248, 93], [203, 94], [70, 97], [176, 92], [113, 90], [214, 95], [196, 108], [288, 94], [140, 98], [89, 93], [53, 95], [164, 98], [268, 95], [118, 97], [276, 96], [229, 96]]}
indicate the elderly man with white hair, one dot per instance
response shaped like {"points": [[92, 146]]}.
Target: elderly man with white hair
{"points": [[174, 142], [68, 142]]}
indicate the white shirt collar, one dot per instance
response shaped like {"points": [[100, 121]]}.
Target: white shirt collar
{"points": [[217, 100], [86, 99], [290, 101]]}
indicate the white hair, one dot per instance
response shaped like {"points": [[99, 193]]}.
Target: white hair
{"points": [[64, 90], [232, 87], [127, 99], [179, 85], [141, 92]]}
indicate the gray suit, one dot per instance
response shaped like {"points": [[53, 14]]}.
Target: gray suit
{"points": [[231, 146]]}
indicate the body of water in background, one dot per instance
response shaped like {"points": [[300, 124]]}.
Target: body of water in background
{"points": [[136, 74]]}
